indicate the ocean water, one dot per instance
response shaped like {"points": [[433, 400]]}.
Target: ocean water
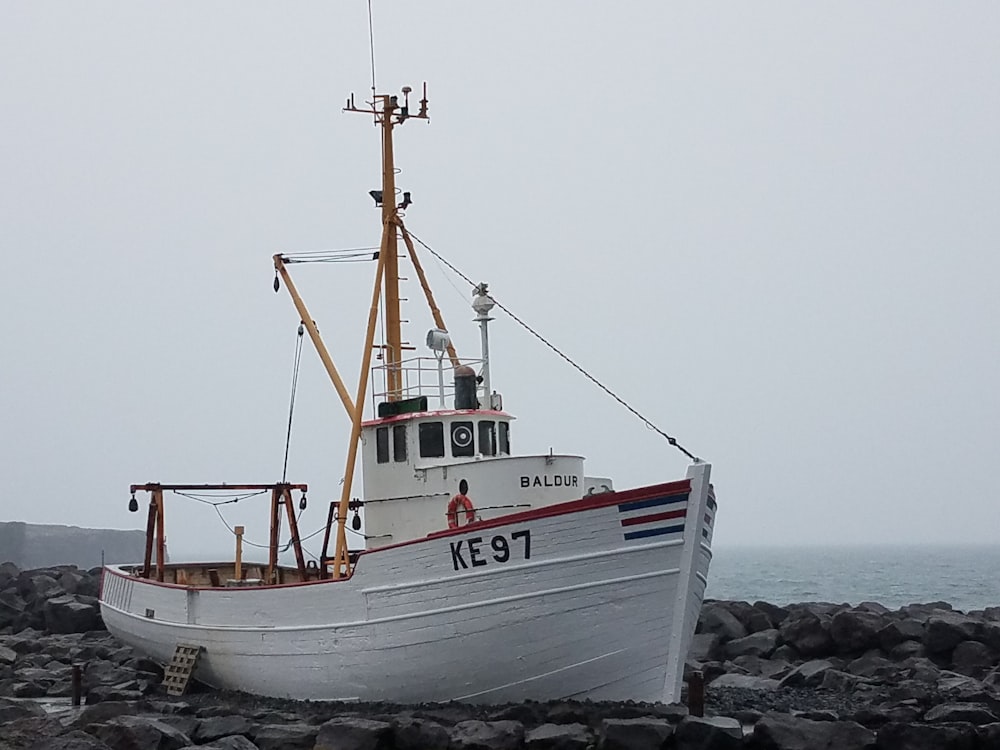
{"points": [[967, 577]]}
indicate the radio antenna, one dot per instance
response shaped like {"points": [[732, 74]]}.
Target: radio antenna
{"points": [[371, 45]]}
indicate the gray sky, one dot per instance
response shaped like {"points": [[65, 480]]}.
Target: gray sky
{"points": [[772, 227]]}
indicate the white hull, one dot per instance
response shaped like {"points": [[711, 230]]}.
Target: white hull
{"points": [[580, 606]]}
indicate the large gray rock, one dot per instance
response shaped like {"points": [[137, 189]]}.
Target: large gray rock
{"points": [[13, 710], [808, 674], [807, 634], [420, 734], [7, 656], [635, 734], [716, 618], [216, 727], [946, 630], [972, 658], [900, 736], [71, 614], [101, 712], [762, 643], [871, 664], [559, 737], [854, 631], [487, 735], [898, 631], [139, 733], [704, 647], [354, 733], [974, 713], [236, 742], [709, 733], [285, 736], [786, 732]]}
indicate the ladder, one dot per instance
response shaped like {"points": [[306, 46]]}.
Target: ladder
{"points": [[178, 672]]}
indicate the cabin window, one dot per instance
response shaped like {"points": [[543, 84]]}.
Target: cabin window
{"points": [[382, 444], [504, 439], [399, 443], [431, 439], [487, 438], [462, 439]]}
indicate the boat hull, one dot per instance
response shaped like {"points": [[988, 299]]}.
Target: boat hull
{"points": [[588, 599]]}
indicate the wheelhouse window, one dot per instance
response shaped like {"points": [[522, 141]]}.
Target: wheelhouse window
{"points": [[382, 444], [462, 439], [399, 443], [431, 439], [504, 447], [487, 438]]}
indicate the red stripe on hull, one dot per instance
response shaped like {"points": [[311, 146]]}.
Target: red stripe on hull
{"points": [[654, 517]]}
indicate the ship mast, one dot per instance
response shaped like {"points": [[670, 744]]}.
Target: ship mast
{"points": [[388, 112]]}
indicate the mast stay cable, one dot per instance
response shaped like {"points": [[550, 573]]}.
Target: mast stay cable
{"points": [[670, 439], [291, 400]]}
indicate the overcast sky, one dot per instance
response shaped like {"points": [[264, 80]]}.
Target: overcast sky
{"points": [[771, 227]]}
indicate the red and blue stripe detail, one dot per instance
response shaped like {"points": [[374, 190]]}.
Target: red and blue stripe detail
{"points": [[667, 513]]}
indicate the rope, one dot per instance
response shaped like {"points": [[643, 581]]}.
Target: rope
{"points": [[291, 400], [591, 378]]}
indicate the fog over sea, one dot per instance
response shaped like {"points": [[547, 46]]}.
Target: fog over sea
{"points": [[967, 577]]}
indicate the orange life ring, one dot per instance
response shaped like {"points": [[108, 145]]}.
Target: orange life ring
{"points": [[462, 501]]}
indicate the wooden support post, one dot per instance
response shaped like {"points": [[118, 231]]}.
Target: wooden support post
{"points": [[696, 694], [293, 529], [77, 684], [147, 564], [272, 560], [161, 546], [238, 572]]}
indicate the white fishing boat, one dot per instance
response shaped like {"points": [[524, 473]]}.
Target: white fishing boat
{"points": [[484, 576]]}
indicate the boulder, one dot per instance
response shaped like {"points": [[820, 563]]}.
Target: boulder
{"points": [[216, 727], [420, 734], [944, 631], [762, 643], [807, 634], [716, 618], [7, 656], [487, 735], [778, 731], [559, 737], [139, 733], [870, 665], [635, 734], [285, 736], [972, 658], [709, 733], [775, 668], [758, 621], [907, 649], [973, 713], [775, 614], [101, 712], [898, 631], [989, 734], [71, 614], [900, 736], [354, 733], [809, 674], [13, 710], [236, 742], [704, 647], [854, 630], [841, 682]]}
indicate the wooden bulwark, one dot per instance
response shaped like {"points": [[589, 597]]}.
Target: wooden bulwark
{"points": [[177, 674]]}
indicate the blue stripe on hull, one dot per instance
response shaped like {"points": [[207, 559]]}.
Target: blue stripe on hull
{"points": [[654, 532], [654, 502]]}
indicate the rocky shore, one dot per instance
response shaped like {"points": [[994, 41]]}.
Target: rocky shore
{"points": [[797, 677]]}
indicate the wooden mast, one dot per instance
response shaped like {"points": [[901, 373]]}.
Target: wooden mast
{"points": [[389, 254]]}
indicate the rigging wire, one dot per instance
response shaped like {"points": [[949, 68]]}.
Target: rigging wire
{"points": [[670, 439], [291, 400]]}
